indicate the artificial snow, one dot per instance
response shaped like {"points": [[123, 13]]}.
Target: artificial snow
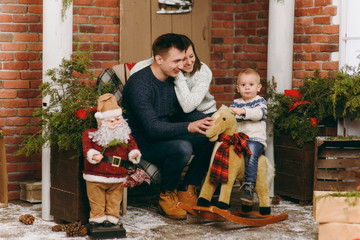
{"points": [[143, 222]]}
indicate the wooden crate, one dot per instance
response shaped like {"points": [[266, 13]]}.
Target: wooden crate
{"points": [[337, 164], [68, 197], [294, 169], [30, 191]]}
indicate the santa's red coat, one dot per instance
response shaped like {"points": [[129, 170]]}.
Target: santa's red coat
{"points": [[101, 172]]}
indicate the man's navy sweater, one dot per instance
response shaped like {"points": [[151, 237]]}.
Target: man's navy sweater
{"points": [[149, 104]]}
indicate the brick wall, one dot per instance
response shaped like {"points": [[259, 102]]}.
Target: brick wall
{"points": [[239, 40], [316, 38]]}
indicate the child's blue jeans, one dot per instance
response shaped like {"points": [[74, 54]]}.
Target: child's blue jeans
{"points": [[251, 166]]}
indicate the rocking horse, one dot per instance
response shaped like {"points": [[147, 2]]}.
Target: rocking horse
{"points": [[225, 123]]}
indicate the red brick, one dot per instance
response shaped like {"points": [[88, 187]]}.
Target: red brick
{"points": [[308, 11], [330, 65], [28, 93], [27, 56], [28, 112], [83, 2], [15, 65], [8, 131], [331, 29], [216, 89], [89, 11], [17, 84], [26, 37], [35, 83], [319, 38], [223, 16], [311, 47], [304, 21], [13, 140], [13, 28], [313, 29], [107, 3], [322, 2], [13, 195], [224, 96], [322, 20], [28, 18], [26, 130], [12, 168], [16, 103], [312, 65], [7, 8], [111, 12], [6, 56], [298, 65], [37, 102], [8, 94], [330, 11], [222, 32], [17, 121], [329, 48], [6, 37], [320, 56], [111, 47], [13, 46], [302, 57], [80, 20], [35, 46], [101, 38], [2, 122], [91, 29], [31, 1], [101, 20], [30, 167], [35, 28], [303, 3], [5, 18], [35, 9], [248, 16], [333, 39], [7, 113], [108, 65], [112, 29], [31, 75], [81, 38], [20, 177]]}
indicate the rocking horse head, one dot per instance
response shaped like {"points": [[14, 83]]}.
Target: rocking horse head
{"points": [[225, 122]]}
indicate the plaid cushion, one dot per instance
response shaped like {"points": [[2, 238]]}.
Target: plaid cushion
{"points": [[151, 171], [109, 82]]}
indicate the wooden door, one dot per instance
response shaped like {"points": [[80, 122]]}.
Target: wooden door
{"points": [[140, 25]]}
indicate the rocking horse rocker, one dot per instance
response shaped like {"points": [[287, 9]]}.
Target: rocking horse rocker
{"points": [[226, 127]]}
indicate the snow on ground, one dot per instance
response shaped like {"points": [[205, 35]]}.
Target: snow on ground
{"points": [[145, 223]]}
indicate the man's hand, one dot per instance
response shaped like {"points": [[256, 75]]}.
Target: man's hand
{"points": [[201, 125]]}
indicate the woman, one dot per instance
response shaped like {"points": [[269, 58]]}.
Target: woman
{"points": [[191, 84]]}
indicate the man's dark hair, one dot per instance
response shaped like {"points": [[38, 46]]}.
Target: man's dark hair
{"points": [[166, 41], [188, 43]]}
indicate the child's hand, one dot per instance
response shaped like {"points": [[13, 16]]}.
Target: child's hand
{"points": [[97, 157], [239, 111]]}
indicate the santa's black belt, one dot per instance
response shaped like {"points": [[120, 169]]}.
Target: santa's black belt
{"points": [[117, 162]]}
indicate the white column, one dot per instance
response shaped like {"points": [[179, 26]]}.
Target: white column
{"points": [[280, 53], [57, 44]]}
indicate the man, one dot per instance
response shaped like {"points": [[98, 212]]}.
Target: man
{"points": [[165, 138]]}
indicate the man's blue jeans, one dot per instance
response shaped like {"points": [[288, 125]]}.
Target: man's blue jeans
{"points": [[251, 166], [172, 156]]}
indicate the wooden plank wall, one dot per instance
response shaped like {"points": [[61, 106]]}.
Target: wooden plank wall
{"points": [[140, 25]]}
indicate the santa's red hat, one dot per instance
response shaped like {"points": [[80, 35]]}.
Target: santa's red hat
{"points": [[107, 107]]}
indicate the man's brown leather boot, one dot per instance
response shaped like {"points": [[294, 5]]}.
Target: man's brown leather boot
{"points": [[189, 196], [168, 208]]}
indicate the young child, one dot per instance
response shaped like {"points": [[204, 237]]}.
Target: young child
{"points": [[250, 112], [105, 164]]}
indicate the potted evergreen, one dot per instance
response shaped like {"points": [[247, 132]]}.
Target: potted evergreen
{"points": [[299, 115]]}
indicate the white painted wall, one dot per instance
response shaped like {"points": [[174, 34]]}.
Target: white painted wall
{"points": [[57, 44]]}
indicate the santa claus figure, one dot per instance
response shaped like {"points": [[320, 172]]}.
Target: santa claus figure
{"points": [[107, 150]]}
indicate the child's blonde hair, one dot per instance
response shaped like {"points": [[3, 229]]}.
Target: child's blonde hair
{"points": [[248, 71]]}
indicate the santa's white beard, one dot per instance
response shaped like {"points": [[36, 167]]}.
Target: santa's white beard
{"points": [[105, 134]]}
